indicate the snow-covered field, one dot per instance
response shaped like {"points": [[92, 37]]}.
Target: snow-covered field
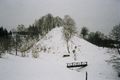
{"points": [[52, 66]]}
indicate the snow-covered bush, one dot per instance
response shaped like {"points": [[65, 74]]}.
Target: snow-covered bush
{"points": [[26, 45], [35, 53], [1, 53], [23, 54]]}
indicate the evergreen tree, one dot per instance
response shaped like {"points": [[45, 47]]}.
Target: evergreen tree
{"points": [[115, 35], [84, 31], [4, 41]]}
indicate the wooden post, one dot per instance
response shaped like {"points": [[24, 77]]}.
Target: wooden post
{"points": [[16, 44], [86, 76]]}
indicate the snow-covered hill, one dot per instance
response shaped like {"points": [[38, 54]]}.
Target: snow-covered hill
{"points": [[52, 66], [52, 43]]}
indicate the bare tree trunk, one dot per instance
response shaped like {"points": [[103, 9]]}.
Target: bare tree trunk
{"points": [[0, 55], [16, 45], [16, 50], [118, 47], [118, 51], [68, 48]]}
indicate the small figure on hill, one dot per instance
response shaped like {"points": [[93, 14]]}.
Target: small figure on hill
{"points": [[74, 52]]}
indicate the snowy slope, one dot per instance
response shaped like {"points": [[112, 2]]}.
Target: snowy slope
{"points": [[52, 66], [53, 42]]}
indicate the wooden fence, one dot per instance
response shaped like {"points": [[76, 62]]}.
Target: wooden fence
{"points": [[77, 64]]}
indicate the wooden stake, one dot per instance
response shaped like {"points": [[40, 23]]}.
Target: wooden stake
{"points": [[86, 76]]}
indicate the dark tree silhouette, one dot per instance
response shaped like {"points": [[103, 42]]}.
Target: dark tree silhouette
{"points": [[84, 31]]}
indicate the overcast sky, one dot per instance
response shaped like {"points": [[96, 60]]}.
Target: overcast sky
{"points": [[99, 15]]}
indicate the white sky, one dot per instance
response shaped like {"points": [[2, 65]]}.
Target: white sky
{"points": [[99, 15]]}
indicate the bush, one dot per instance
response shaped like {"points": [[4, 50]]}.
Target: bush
{"points": [[1, 53], [35, 54], [23, 54]]}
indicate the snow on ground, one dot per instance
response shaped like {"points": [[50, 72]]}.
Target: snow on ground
{"points": [[52, 66]]}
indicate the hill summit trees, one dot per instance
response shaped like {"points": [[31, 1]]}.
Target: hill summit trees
{"points": [[46, 23]]}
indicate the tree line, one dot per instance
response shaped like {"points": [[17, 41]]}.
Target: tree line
{"points": [[22, 38], [100, 39]]}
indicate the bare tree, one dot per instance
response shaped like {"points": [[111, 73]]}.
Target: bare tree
{"points": [[21, 28], [69, 29]]}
